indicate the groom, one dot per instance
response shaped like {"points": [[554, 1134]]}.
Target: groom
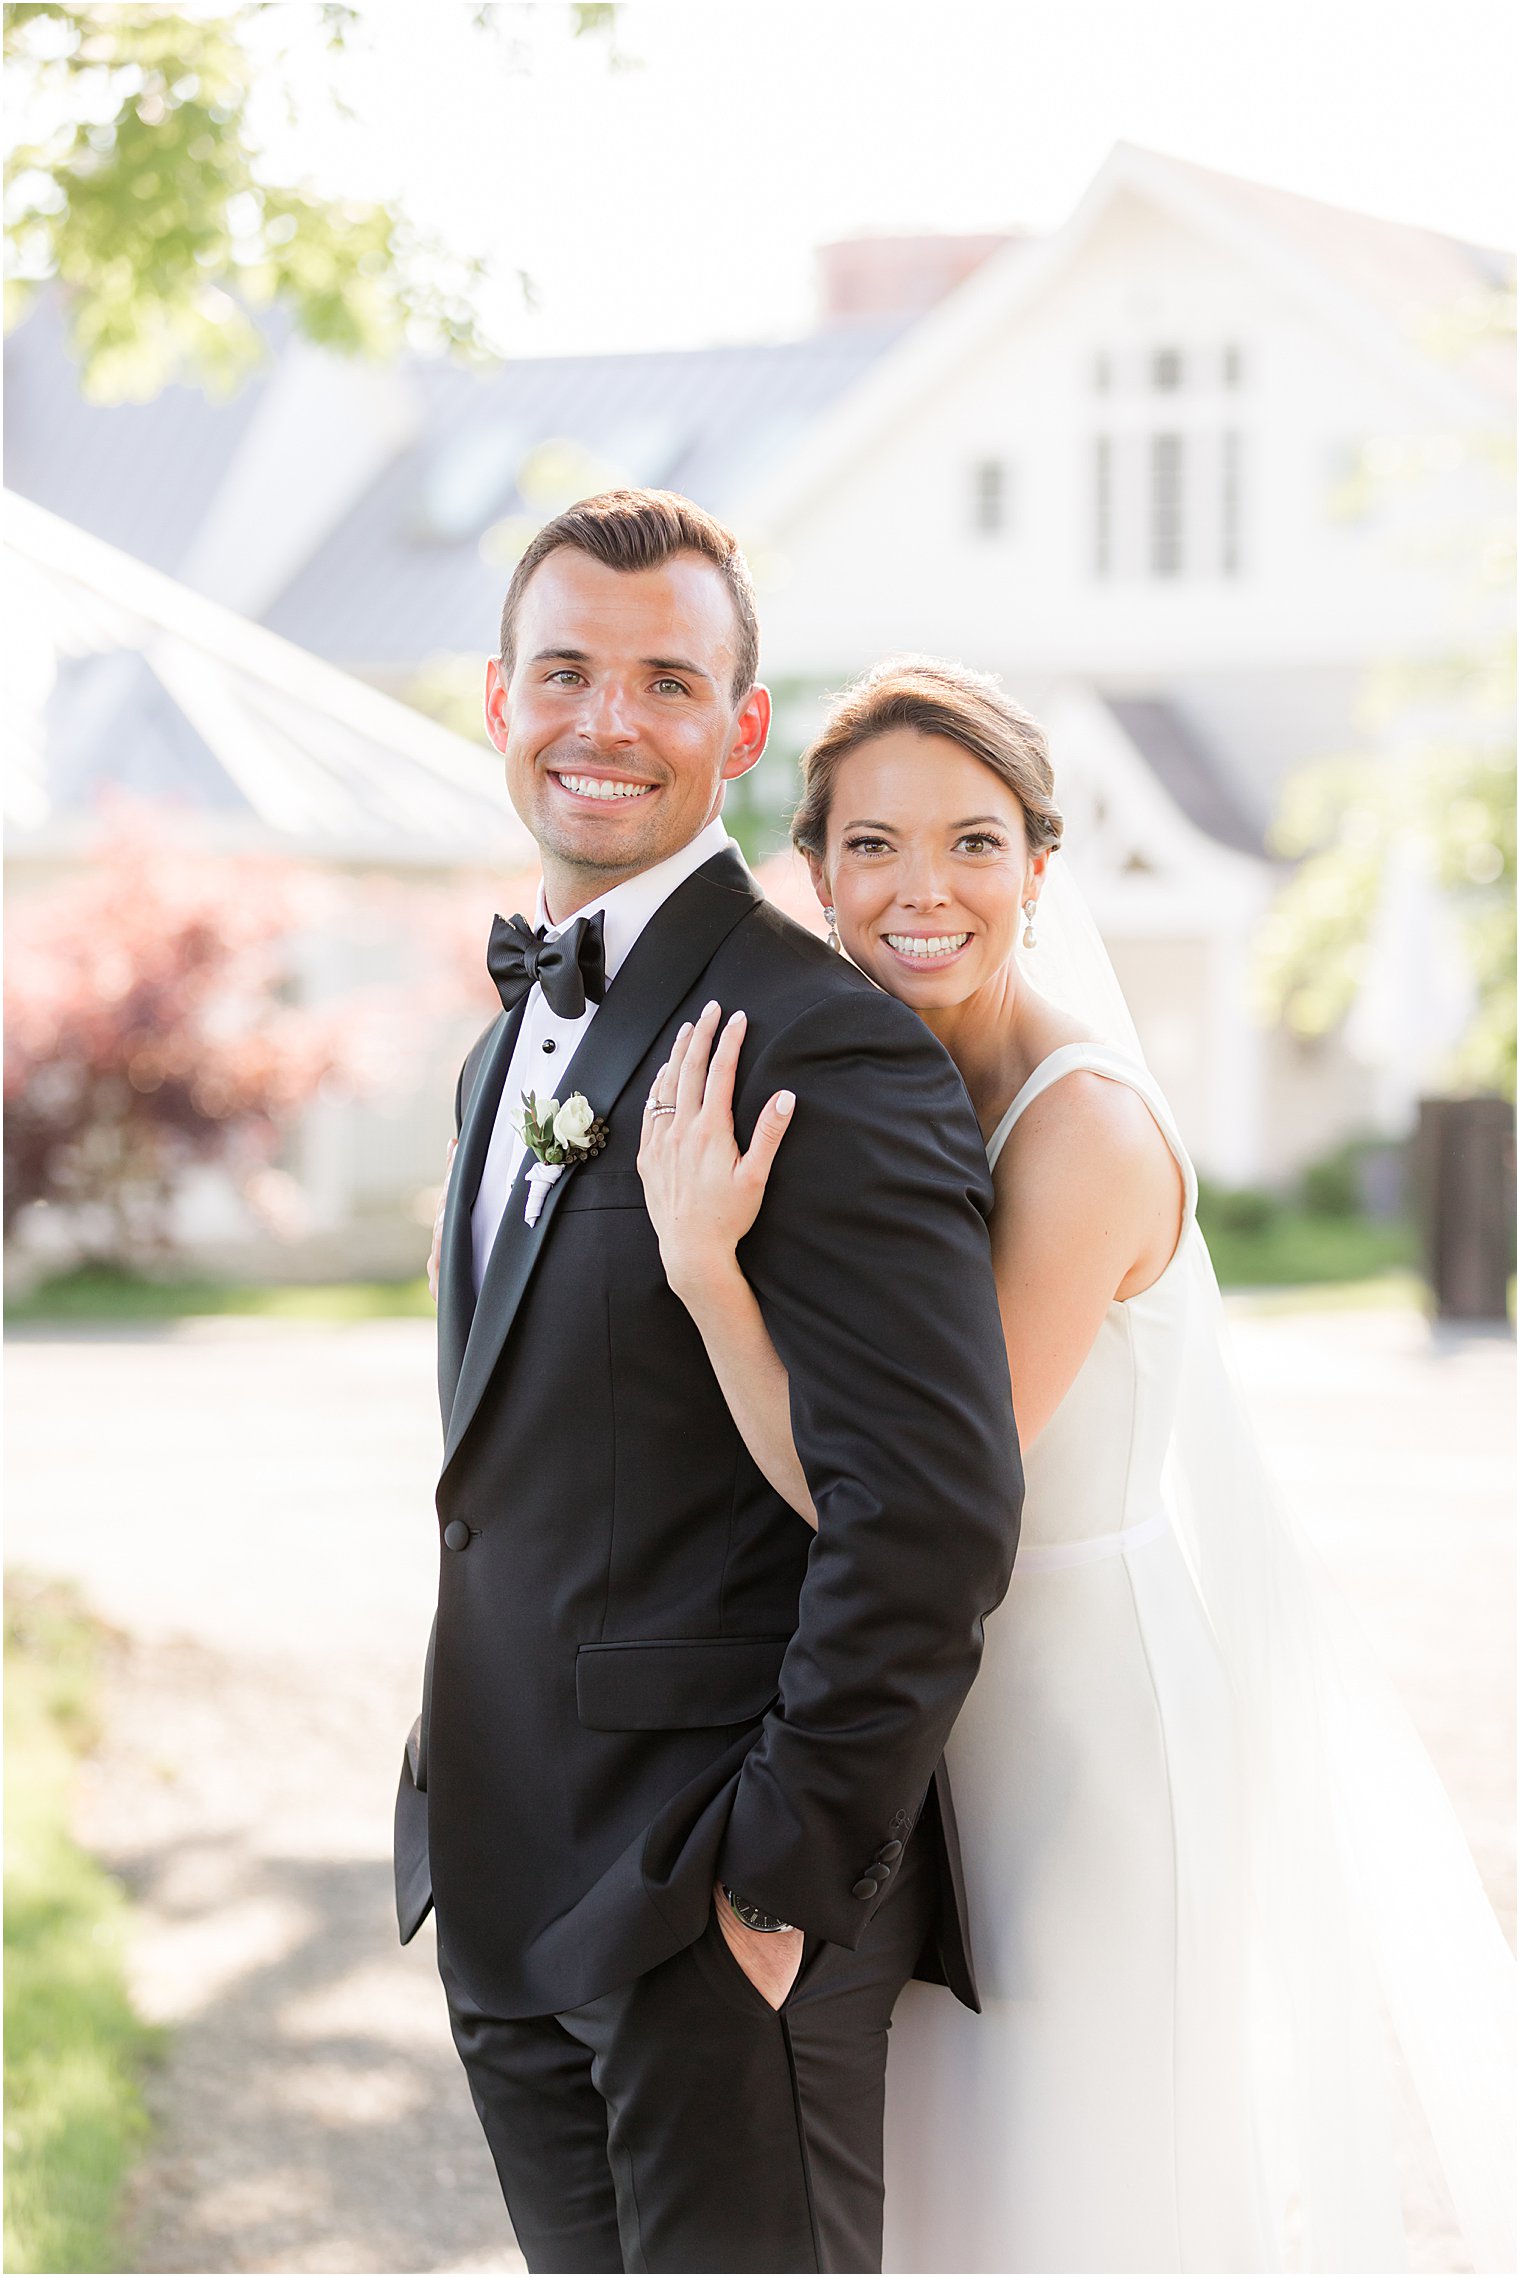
{"points": [[675, 1791]]}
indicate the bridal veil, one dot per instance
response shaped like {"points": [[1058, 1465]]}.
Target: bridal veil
{"points": [[1368, 1909]]}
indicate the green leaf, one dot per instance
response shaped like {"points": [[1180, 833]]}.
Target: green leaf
{"points": [[136, 180]]}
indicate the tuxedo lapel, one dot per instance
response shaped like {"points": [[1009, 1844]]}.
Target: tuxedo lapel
{"points": [[456, 1267], [663, 966]]}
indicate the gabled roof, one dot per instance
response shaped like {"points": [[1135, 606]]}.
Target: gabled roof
{"points": [[400, 573], [1373, 283], [405, 573], [1186, 770], [1407, 272], [139, 475], [123, 678]]}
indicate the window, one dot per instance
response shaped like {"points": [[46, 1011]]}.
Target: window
{"points": [[1166, 506], [1103, 506], [1168, 477], [1229, 504], [468, 481], [989, 496]]}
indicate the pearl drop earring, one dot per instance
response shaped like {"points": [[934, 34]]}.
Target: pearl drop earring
{"points": [[833, 928], [1029, 924]]}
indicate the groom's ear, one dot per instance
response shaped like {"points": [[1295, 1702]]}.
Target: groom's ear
{"points": [[751, 727], [496, 704]]}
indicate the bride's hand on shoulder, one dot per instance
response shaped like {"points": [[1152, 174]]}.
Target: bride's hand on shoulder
{"points": [[702, 1194]]}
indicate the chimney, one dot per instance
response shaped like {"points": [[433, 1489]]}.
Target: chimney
{"points": [[874, 278]]}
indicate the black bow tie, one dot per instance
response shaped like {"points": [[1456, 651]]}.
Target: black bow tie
{"points": [[569, 969]]}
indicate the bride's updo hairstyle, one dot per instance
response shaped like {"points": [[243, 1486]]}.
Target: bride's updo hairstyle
{"points": [[934, 698]]}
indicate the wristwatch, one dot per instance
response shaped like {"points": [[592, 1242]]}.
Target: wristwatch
{"points": [[768, 1924]]}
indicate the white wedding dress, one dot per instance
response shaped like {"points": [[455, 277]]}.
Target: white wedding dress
{"points": [[1098, 2114]]}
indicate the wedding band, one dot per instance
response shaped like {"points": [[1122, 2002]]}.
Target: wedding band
{"points": [[656, 1109]]}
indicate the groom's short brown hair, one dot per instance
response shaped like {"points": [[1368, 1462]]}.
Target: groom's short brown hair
{"points": [[640, 529]]}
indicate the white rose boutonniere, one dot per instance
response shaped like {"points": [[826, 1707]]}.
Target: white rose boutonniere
{"points": [[558, 1137], [574, 1122]]}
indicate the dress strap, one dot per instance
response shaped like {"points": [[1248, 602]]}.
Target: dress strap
{"points": [[1119, 1067]]}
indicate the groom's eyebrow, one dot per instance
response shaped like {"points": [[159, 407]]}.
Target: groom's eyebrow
{"points": [[650, 663]]}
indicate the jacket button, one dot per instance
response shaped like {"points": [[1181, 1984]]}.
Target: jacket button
{"points": [[456, 1534], [865, 1887], [879, 1872], [889, 1851]]}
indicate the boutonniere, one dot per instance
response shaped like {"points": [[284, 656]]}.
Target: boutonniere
{"points": [[558, 1138]]}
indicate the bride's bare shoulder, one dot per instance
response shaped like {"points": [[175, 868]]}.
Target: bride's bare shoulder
{"points": [[1088, 1135]]}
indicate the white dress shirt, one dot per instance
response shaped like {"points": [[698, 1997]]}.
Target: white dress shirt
{"points": [[544, 1053]]}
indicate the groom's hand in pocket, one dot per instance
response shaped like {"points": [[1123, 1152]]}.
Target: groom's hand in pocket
{"points": [[769, 1959]]}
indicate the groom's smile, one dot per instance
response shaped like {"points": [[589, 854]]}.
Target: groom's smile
{"points": [[601, 787], [618, 717]]}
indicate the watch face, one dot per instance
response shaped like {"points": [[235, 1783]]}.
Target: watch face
{"points": [[767, 1924]]}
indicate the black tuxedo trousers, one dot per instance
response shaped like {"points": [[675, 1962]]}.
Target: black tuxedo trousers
{"points": [[646, 1671], [681, 2123]]}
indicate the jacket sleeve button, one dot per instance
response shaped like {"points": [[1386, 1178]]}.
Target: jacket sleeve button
{"points": [[879, 1872], [865, 1887], [456, 1534], [889, 1851]]}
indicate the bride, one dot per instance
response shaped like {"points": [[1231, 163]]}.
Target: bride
{"points": [[1178, 1815]]}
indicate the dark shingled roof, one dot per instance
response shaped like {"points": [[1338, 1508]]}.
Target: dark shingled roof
{"points": [[139, 475], [403, 575], [389, 585]]}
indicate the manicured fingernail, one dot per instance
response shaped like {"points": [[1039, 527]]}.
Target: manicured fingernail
{"points": [[785, 1102], [711, 1010], [737, 1019], [683, 1030]]}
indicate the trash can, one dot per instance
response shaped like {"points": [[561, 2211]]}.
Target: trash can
{"points": [[1464, 1166]]}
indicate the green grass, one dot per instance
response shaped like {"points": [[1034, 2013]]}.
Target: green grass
{"points": [[74, 2049], [1291, 1249], [1299, 1248], [96, 1294]]}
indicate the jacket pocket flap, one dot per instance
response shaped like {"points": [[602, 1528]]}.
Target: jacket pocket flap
{"points": [[593, 1189], [677, 1686]]}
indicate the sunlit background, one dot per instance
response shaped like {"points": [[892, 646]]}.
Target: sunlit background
{"points": [[1157, 357]]}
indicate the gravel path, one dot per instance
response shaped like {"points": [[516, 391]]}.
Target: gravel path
{"points": [[250, 1506]]}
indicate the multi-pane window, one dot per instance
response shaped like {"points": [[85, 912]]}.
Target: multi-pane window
{"points": [[990, 496], [1168, 471]]}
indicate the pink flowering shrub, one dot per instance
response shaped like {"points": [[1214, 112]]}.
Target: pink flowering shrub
{"points": [[149, 1026]]}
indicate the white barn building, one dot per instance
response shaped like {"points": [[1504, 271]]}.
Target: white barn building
{"points": [[1110, 464]]}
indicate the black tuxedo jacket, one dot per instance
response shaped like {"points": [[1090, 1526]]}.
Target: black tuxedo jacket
{"points": [[646, 1670]]}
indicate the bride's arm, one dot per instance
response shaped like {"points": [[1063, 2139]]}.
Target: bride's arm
{"points": [[1089, 1208], [703, 1196]]}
